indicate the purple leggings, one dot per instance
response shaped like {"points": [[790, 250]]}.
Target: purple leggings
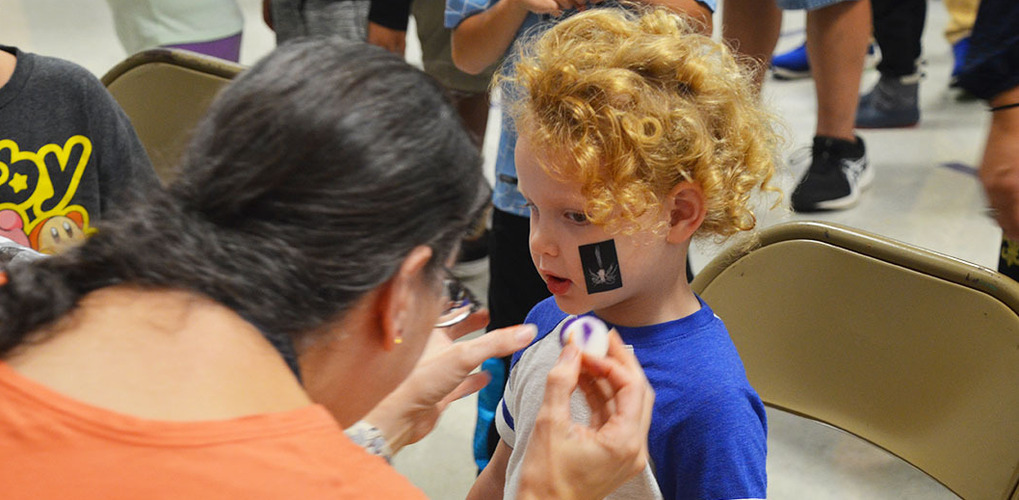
{"points": [[228, 48]]}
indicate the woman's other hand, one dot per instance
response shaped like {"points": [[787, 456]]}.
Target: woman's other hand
{"points": [[568, 460]]}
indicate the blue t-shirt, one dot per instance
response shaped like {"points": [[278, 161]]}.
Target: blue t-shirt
{"points": [[708, 436]]}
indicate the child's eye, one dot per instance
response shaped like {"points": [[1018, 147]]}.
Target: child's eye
{"points": [[576, 217], [532, 207]]}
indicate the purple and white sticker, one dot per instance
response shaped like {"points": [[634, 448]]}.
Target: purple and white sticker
{"points": [[588, 333]]}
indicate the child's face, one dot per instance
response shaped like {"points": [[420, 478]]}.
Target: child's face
{"points": [[625, 278]]}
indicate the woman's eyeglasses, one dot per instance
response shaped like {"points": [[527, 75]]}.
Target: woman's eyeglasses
{"points": [[460, 302]]}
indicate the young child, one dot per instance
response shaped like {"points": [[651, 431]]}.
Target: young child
{"points": [[484, 31], [636, 135]]}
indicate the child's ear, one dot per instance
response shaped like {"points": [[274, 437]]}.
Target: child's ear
{"points": [[686, 206]]}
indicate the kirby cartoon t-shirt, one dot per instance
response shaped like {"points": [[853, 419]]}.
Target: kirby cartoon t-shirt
{"points": [[68, 153]]}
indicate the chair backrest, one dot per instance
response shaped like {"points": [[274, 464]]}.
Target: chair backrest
{"points": [[165, 92], [913, 351]]}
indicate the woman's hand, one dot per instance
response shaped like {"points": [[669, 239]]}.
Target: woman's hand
{"points": [[568, 460], [444, 374]]}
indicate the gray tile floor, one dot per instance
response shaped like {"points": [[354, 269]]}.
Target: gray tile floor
{"points": [[925, 193]]}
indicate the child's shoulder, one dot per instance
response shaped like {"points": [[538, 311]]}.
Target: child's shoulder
{"points": [[546, 315], [52, 77]]}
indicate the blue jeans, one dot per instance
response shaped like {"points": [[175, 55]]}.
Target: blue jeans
{"points": [[992, 63], [806, 4]]}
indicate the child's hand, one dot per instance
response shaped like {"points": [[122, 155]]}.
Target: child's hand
{"points": [[565, 459]]}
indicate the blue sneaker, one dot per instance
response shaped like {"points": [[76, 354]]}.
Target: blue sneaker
{"points": [[791, 65], [959, 51]]}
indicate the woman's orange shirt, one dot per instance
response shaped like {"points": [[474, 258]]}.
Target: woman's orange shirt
{"points": [[53, 447]]}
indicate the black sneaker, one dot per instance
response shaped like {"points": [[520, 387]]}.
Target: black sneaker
{"points": [[838, 172]]}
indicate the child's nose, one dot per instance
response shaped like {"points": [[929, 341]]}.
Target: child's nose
{"points": [[541, 241]]}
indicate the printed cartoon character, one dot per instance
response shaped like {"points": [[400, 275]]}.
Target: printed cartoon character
{"points": [[58, 233], [12, 227]]}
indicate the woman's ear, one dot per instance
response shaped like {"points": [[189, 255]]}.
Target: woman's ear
{"points": [[686, 206], [399, 294]]}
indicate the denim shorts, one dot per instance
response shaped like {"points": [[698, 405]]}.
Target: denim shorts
{"points": [[806, 4]]}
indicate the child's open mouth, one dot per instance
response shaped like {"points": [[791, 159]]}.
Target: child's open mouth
{"points": [[557, 285]]}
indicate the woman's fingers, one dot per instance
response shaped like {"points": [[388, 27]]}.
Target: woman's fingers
{"points": [[599, 400], [562, 381], [629, 397], [494, 344], [473, 383]]}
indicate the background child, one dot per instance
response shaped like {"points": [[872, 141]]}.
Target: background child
{"points": [[635, 135], [69, 156]]}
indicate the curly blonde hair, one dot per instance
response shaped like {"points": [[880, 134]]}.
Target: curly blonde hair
{"points": [[638, 102]]}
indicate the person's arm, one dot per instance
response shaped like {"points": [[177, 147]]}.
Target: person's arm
{"points": [[387, 24], [480, 40], [267, 14], [491, 483], [567, 460], [392, 40], [999, 168]]}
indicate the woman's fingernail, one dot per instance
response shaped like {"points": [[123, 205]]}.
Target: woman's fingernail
{"points": [[526, 332]]}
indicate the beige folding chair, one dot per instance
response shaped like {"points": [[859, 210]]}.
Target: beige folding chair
{"points": [[165, 92], [913, 351]]}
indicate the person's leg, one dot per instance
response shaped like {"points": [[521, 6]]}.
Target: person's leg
{"points": [[898, 28], [751, 28], [894, 100], [473, 109], [514, 284], [961, 16], [837, 37]]}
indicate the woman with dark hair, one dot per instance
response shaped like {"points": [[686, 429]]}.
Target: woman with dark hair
{"points": [[306, 240]]}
